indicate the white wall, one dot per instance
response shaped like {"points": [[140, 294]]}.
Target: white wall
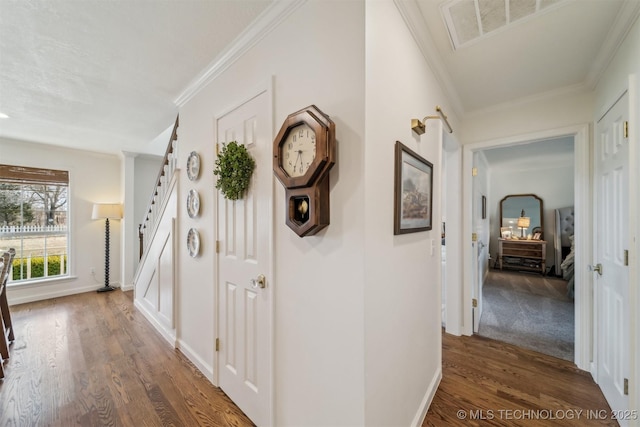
{"points": [[94, 178], [616, 76], [316, 56], [565, 109], [402, 273], [354, 329]]}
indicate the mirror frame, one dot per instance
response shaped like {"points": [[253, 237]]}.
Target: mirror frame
{"points": [[526, 195]]}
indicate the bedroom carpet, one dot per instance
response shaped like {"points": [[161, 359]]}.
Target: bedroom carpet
{"points": [[529, 311]]}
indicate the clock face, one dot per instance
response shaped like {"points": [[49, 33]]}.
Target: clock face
{"points": [[299, 150]]}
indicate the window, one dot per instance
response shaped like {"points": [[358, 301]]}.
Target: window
{"points": [[34, 221]]}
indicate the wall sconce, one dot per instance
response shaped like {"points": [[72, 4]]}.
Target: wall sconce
{"points": [[419, 127]]}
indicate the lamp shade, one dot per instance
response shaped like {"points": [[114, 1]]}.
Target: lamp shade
{"points": [[524, 222], [107, 210]]}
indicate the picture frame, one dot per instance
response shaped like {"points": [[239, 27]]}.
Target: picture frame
{"points": [[537, 236], [413, 192], [505, 232]]}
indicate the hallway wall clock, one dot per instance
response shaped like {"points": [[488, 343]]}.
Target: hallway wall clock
{"points": [[304, 151]]}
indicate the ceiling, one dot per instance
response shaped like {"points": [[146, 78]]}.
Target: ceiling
{"points": [[104, 75], [108, 75], [567, 45]]}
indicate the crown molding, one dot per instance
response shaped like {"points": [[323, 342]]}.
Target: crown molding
{"points": [[254, 33], [412, 16], [628, 14]]}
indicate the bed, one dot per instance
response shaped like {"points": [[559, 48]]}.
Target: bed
{"points": [[564, 246]]}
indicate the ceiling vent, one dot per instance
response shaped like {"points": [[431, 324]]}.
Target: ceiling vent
{"points": [[471, 20]]}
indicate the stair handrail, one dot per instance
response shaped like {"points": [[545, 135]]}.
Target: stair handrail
{"points": [[166, 169]]}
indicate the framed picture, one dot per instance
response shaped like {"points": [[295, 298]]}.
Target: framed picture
{"points": [[537, 236], [505, 232], [413, 194]]}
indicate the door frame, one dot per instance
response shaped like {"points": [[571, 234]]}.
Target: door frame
{"points": [[583, 226], [264, 87], [633, 91], [634, 247]]}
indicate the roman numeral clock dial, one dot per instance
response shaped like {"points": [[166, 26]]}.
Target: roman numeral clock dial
{"points": [[303, 153]]}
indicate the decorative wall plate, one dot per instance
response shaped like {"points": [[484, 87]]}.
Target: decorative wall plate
{"points": [[193, 242], [193, 166], [193, 203]]}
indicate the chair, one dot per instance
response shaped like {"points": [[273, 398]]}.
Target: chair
{"points": [[5, 316]]}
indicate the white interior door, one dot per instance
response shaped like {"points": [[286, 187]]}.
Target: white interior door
{"points": [[611, 185], [244, 232]]}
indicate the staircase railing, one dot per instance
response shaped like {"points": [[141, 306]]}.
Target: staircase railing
{"points": [[160, 191]]}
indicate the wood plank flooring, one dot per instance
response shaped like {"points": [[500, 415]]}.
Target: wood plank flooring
{"points": [[489, 383], [93, 359]]}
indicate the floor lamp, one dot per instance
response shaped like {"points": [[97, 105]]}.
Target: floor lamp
{"points": [[106, 211]]}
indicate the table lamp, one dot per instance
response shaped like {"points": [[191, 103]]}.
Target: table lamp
{"points": [[523, 223]]}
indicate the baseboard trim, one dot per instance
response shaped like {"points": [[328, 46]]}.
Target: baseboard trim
{"points": [[205, 368], [427, 399], [167, 334], [33, 297]]}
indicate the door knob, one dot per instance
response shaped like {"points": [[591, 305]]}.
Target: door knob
{"points": [[597, 267], [259, 282]]}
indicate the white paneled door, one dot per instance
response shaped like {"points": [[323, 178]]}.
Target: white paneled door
{"points": [[611, 184], [245, 289]]}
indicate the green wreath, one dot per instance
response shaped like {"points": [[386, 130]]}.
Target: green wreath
{"points": [[234, 167]]}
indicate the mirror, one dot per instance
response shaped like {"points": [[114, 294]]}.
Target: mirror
{"points": [[511, 208]]}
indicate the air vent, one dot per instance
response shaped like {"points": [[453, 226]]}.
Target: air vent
{"points": [[470, 20]]}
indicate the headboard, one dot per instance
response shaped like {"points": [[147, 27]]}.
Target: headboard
{"points": [[564, 230]]}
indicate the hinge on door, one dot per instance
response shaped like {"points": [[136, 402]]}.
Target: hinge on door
{"points": [[474, 237], [474, 303], [474, 171], [626, 129], [217, 246], [217, 149], [626, 386], [217, 344], [626, 257]]}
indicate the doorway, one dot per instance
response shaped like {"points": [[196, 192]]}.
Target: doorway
{"points": [[523, 296], [583, 299], [244, 261]]}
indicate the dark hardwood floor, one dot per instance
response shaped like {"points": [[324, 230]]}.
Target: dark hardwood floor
{"points": [[490, 383], [92, 359]]}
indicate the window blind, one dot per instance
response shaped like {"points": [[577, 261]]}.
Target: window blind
{"points": [[23, 174]]}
